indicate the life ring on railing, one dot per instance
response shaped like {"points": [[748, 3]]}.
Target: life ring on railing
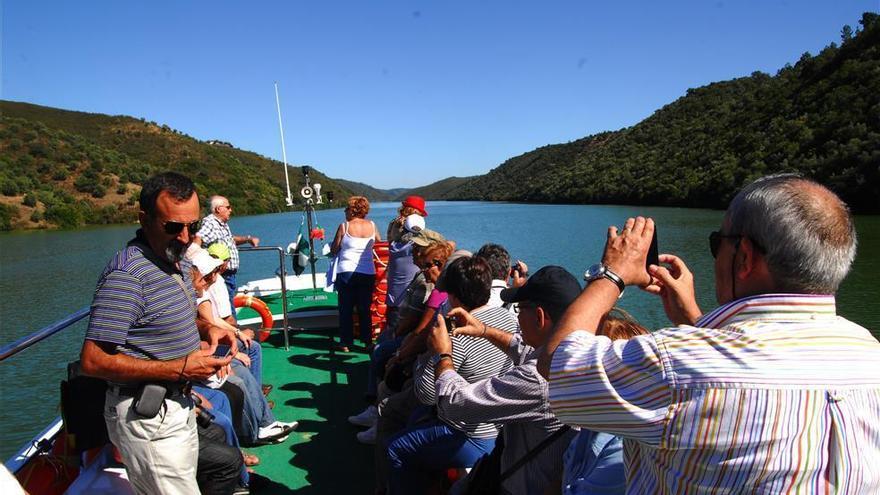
{"points": [[262, 309]]}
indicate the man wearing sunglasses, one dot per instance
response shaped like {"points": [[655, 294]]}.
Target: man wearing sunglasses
{"points": [[215, 228], [771, 392], [142, 339]]}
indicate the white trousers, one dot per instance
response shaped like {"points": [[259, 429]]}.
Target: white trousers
{"points": [[160, 453]]}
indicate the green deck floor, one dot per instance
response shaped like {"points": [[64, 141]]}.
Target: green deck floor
{"points": [[319, 388]]}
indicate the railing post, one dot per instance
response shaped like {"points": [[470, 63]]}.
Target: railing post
{"points": [[284, 298]]}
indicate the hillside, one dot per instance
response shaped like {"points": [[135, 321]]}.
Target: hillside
{"points": [[370, 192], [60, 168], [441, 189], [820, 117]]}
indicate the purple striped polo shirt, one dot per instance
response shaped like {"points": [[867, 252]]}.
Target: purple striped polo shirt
{"points": [[140, 307]]}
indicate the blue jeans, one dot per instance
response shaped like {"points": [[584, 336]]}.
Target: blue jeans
{"points": [[255, 353], [229, 278], [222, 412], [256, 409], [420, 452], [355, 289], [381, 354]]}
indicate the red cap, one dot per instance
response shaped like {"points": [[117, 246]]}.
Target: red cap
{"points": [[416, 202]]}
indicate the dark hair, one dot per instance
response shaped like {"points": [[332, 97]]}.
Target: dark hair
{"points": [[469, 279], [178, 186], [555, 311], [498, 259]]}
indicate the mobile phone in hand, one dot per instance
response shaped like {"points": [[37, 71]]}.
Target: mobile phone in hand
{"points": [[450, 324], [653, 253], [222, 351]]}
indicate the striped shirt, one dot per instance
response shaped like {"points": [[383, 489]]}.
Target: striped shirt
{"points": [[767, 394], [516, 399], [142, 305], [213, 230], [474, 359]]}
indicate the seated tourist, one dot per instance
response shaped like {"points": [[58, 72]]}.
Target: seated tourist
{"points": [[499, 260], [420, 452], [593, 462], [771, 392], [516, 399]]}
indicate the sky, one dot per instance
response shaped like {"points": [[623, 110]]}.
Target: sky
{"points": [[392, 93]]}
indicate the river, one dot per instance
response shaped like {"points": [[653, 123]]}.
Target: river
{"points": [[47, 275]]}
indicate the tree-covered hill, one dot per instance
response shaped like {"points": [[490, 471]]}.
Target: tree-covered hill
{"points": [[361, 189], [65, 168], [820, 117], [441, 189]]}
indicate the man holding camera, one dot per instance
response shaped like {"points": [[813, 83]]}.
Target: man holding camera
{"points": [[771, 392], [517, 398], [142, 338]]}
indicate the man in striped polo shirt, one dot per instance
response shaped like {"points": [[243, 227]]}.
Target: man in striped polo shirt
{"points": [[142, 333], [770, 393]]}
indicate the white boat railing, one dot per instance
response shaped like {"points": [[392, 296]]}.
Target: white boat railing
{"points": [[283, 275], [40, 442]]}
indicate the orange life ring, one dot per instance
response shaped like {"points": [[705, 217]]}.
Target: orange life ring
{"points": [[258, 305]]}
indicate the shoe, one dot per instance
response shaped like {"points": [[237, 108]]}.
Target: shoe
{"points": [[367, 417], [241, 490], [368, 436], [341, 348], [270, 403], [267, 388], [274, 431], [290, 424]]}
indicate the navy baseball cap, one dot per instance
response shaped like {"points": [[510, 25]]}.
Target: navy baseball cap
{"points": [[551, 285]]}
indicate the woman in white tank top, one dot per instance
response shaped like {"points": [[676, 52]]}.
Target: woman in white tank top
{"points": [[356, 274]]}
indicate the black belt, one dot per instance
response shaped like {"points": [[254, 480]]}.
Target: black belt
{"points": [[175, 389]]}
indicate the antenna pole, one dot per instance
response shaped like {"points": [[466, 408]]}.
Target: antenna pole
{"points": [[283, 148]]}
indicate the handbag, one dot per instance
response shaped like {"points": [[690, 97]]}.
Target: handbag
{"points": [[486, 477]]}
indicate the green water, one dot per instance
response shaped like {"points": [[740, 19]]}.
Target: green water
{"points": [[47, 275]]}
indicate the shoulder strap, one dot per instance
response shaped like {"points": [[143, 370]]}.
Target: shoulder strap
{"points": [[374, 228], [534, 452], [345, 227]]}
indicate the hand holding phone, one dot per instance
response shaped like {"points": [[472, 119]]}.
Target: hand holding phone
{"points": [[222, 351], [653, 253]]}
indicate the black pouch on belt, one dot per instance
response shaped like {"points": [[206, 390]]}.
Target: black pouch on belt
{"points": [[149, 400]]}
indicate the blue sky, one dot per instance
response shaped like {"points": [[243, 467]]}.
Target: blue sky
{"points": [[397, 94]]}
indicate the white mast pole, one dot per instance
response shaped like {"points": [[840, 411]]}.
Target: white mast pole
{"points": [[283, 149]]}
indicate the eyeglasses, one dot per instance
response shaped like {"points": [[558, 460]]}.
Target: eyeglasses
{"points": [[225, 206], [427, 266], [715, 241], [523, 305], [174, 228]]}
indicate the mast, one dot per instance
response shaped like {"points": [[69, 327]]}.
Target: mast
{"points": [[283, 148]]}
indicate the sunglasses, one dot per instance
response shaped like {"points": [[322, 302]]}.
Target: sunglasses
{"points": [[715, 242], [174, 228], [427, 266], [523, 305]]}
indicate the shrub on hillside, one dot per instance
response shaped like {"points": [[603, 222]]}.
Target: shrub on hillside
{"points": [[30, 199], [7, 213]]}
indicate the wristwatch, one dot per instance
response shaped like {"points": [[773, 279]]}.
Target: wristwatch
{"points": [[598, 271]]}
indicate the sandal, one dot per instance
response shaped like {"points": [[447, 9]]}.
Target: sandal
{"points": [[250, 459]]}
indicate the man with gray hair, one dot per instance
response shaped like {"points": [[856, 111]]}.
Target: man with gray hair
{"points": [[771, 392], [215, 228]]}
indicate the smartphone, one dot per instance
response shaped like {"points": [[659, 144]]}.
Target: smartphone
{"points": [[653, 253], [222, 351], [516, 268], [450, 324]]}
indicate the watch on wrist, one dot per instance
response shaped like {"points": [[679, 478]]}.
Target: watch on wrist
{"points": [[599, 271]]}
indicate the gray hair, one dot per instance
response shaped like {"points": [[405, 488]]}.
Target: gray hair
{"points": [[216, 202], [805, 231]]}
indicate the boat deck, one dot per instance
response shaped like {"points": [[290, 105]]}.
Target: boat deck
{"points": [[319, 388]]}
